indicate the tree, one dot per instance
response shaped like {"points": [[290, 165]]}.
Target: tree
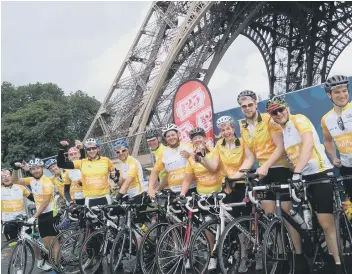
{"points": [[36, 117]]}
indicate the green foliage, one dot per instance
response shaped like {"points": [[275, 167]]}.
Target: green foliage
{"points": [[34, 118]]}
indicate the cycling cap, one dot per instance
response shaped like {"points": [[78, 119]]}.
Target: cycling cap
{"points": [[35, 162], [275, 103], [168, 128], [73, 149], [152, 133], [50, 163], [120, 143], [335, 81], [91, 141], [224, 120], [196, 131], [246, 94]]}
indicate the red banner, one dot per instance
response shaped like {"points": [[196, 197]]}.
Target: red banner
{"points": [[193, 107]]}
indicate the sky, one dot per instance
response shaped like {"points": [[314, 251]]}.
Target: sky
{"points": [[81, 46]]}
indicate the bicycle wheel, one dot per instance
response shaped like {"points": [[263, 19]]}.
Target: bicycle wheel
{"points": [[203, 245], [344, 239], [172, 251], [22, 259], [148, 246], [68, 254], [124, 252], [91, 253], [278, 248], [230, 248]]}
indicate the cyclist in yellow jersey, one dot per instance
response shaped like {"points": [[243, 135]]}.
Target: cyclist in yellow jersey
{"points": [[173, 160], [42, 189], [73, 178], [310, 162], [154, 142], [337, 127], [95, 171], [131, 173]]}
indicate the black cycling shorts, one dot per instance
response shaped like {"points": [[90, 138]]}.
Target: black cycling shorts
{"points": [[236, 196], [347, 171], [80, 201], [46, 225], [320, 196], [275, 175], [11, 231], [97, 201]]}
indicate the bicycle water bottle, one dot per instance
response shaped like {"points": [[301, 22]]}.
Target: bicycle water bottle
{"points": [[307, 216], [298, 219]]}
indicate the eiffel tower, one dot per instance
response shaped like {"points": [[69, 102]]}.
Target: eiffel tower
{"points": [[299, 42]]}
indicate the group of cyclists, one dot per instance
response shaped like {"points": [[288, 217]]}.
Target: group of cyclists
{"points": [[286, 147]]}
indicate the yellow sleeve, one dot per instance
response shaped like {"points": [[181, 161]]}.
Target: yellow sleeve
{"points": [[67, 180], [274, 127], [110, 165], [48, 188], [189, 169], [77, 164], [25, 190], [132, 170], [159, 165], [323, 125], [303, 124], [28, 180]]}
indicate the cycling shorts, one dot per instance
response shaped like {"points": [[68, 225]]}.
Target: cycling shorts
{"points": [[236, 196], [347, 171], [11, 231], [80, 201], [320, 196], [275, 175], [46, 225], [104, 200]]}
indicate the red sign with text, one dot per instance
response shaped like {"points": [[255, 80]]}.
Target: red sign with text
{"points": [[193, 108]]}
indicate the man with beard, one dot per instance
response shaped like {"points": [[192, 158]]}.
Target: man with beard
{"points": [[173, 160], [337, 127], [42, 189]]}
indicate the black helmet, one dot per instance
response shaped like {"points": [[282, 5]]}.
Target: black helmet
{"points": [[152, 133], [246, 93], [335, 81], [196, 131]]}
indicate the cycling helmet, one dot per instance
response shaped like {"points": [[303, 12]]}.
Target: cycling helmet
{"points": [[196, 131], [50, 163], [35, 162], [152, 133], [335, 81], [224, 120], [73, 149], [168, 128], [120, 143], [246, 93], [91, 141], [275, 103]]}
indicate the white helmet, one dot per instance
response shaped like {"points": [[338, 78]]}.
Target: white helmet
{"points": [[168, 128], [35, 162], [224, 120], [91, 141]]}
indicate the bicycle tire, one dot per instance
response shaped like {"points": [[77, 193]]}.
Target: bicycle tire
{"points": [[83, 265], [24, 246], [193, 244], [159, 251], [141, 256], [271, 226], [124, 236], [228, 229], [343, 235]]}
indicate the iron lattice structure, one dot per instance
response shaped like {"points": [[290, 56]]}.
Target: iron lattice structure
{"points": [[299, 42]]}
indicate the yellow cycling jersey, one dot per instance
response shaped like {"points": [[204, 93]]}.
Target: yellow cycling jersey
{"points": [[207, 182], [59, 183], [230, 161], [157, 154], [12, 201], [40, 187], [293, 130], [259, 139], [174, 164], [95, 174], [132, 168], [74, 179], [342, 135]]}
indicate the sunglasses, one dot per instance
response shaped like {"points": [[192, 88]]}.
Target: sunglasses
{"points": [[247, 106], [91, 148], [5, 176], [277, 111], [340, 123], [120, 151]]}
